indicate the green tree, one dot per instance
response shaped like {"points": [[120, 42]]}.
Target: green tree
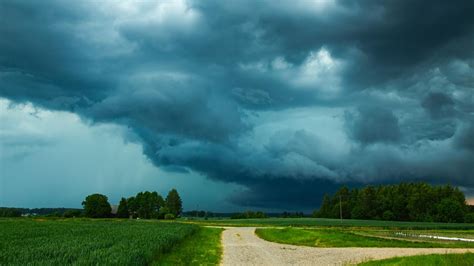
{"points": [[122, 211], [325, 208], [450, 211], [145, 205], [96, 206], [174, 203]]}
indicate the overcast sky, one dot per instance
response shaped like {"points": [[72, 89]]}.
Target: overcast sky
{"points": [[239, 105]]}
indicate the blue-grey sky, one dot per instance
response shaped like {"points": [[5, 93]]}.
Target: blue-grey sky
{"points": [[238, 104]]}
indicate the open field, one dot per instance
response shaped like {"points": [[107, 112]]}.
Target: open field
{"points": [[83, 241], [144, 242], [351, 238], [426, 260], [320, 222]]}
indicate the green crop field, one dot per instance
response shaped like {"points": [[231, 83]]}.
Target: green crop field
{"points": [[350, 238], [77, 241], [320, 222]]}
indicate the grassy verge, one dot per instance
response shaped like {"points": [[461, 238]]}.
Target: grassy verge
{"points": [[321, 222], [428, 260], [345, 238], [202, 248]]}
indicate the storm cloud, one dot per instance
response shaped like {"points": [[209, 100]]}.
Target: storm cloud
{"points": [[287, 99]]}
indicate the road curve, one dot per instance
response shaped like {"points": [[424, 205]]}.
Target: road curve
{"points": [[243, 247]]}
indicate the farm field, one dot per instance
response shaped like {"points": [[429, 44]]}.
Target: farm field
{"points": [[150, 242], [84, 241], [352, 238], [321, 222]]}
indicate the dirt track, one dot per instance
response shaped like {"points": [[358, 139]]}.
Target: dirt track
{"points": [[243, 247]]}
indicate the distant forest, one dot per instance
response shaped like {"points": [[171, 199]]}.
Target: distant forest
{"points": [[419, 202]]}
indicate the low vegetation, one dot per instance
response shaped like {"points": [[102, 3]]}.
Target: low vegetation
{"points": [[322, 222], [426, 260], [202, 248], [87, 241], [249, 215], [401, 202], [348, 238]]}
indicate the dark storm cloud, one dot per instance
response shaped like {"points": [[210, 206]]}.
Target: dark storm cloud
{"points": [[438, 105], [465, 137], [207, 86], [373, 124]]}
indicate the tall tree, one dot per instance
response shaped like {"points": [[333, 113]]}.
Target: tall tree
{"points": [[96, 206], [146, 205], [401, 202], [325, 209], [122, 211], [174, 203]]}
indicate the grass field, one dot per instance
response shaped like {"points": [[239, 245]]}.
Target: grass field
{"points": [[348, 238], [426, 260], [202, 248], [320, 222], [73, 241]]}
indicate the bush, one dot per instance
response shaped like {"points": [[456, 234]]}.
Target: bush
{"points": [[388, 215], [249, 215], [469, 218], [169, 216], [72, 213], [9, 212]]}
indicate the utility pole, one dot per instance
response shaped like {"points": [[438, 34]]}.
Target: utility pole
{"points": [[340, 206]]}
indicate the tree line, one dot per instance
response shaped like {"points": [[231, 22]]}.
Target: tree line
{"points": [[249, 215], [144, 205], [418, 202]]}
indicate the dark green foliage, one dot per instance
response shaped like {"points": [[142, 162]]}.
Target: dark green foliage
{"points": [[200, 213], [325, 209], [174, 203], [169, 216], [419, 202], [9, 212], [248, 215], [469, 218], [72, 213], [96, 206], [450, 211], [122, 210], [292, 215], [145, 205]]}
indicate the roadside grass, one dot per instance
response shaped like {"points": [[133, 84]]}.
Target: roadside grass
{"points": [[321, 222], [466, 259], [202, 248], [346, 238], [88, 241]]}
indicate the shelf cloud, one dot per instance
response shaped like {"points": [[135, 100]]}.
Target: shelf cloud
{"points": [[288, 100]]}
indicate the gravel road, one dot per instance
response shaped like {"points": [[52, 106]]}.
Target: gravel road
{"points": [[243, 247]]}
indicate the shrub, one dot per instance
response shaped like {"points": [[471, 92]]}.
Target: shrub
{"points": [[169, 216]]}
